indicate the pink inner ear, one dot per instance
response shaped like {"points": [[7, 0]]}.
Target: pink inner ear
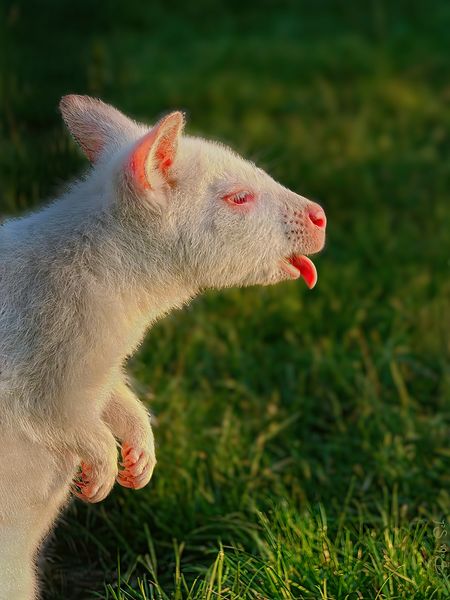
{"points": [[138, 160], [164, 154], [162, 157]]}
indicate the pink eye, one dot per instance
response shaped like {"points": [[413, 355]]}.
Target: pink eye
{"points": [[239, 198]]}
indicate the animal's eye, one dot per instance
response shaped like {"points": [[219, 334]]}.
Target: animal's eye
{"points": [[239, 198]]}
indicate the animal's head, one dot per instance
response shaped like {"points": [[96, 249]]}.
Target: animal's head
{"points": [[220, 220]]}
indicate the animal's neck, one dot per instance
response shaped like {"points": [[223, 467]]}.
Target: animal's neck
{"points": [[134, 281]]}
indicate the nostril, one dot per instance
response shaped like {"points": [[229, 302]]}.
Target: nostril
{"points": [[317, 216]]}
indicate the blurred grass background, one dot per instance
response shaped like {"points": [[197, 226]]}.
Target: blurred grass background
{"points": [[303, 436]]}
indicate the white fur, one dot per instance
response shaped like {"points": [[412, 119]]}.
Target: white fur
{"points": [[80, 283]]}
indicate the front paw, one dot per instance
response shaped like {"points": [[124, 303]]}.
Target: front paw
{"points": [[138, 464], [94, 482]]}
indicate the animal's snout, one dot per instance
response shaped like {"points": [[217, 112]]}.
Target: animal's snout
{"points": [[316, 215], [305, 227]]}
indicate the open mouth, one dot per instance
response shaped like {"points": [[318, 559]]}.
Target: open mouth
{"points": [[299, 265]]}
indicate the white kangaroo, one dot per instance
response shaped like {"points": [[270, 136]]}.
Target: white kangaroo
{"points": [[158, 218]]}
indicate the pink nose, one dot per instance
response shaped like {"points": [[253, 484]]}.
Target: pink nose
{"points": [[317, 216]]}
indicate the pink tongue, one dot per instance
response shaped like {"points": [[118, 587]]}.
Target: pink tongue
{"points": [[306, 268]]}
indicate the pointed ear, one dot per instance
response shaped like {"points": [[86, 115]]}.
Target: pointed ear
{"points": [[150, 160], [96, 126]]}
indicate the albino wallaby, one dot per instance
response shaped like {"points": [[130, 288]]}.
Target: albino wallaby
{"points": [[157, 219]]}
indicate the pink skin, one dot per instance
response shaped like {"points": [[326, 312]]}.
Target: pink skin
{"points": [[298, 265], [164, 152], [316, 215], [306, 268], [136, 162], [137, 467], [85, 487], [237, 203], [135, 474]]}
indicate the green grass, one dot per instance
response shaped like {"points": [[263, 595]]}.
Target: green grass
{"points": [[302, 436]]}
